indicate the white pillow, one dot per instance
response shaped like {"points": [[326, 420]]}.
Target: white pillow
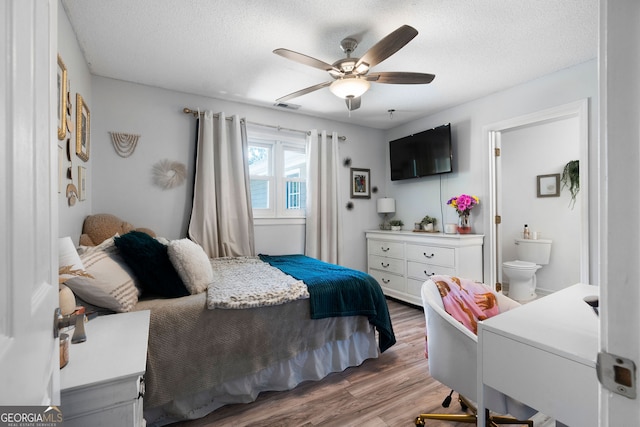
{"points": [[111, 285], [192, 264]]}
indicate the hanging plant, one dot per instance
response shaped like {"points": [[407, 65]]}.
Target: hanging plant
{"points": [[571, 179]]}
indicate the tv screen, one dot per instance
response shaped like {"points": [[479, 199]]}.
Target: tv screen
{"points": [[421, 154]]}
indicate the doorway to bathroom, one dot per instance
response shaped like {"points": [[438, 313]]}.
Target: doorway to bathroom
{"points": [[528, 155]]}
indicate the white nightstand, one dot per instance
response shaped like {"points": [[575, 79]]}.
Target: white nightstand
{"points": [[103, 383]]}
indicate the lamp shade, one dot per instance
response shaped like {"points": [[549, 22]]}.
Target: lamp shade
{"points": [[67, 253], [386, 205], [349, 87]]}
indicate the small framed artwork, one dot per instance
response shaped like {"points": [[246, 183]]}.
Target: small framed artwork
{"points": [[549, 185], [82, 183], [62, 99], [83, 128], [360, 183]]}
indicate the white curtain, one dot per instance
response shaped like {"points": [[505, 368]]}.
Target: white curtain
{"points": [[324, 222], [221, 217]]}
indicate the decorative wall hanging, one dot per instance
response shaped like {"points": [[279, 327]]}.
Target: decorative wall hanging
{"points": [[360, 183], [169, 174], [62, 99], [549, 185], [83, 128], [72, 194], [82, 183], [124, 143]]}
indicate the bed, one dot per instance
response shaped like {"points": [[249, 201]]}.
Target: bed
{"points": [[200, 359], [226, 344]]}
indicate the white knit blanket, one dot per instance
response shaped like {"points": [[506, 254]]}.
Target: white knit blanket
{"points": [[247, 282]]}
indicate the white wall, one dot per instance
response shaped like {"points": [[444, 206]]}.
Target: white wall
{"points": [[123, 186], [70, 217], [415, 198], [526, 152]]}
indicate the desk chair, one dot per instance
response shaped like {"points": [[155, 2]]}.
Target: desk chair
{"points": [[452, 350]]}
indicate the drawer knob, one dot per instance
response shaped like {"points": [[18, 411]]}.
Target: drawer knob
{"points": [[383, 249], [384, 265], [428, 274], [428, 256]]}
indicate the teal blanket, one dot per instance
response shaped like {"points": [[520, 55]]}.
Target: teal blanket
{"points": [[336, 291]]}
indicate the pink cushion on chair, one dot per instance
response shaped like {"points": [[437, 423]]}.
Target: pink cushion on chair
{"points": [[467, 301]]}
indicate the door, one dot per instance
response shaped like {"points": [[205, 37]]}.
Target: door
{"points": [[504, 188], [619, 180], [29, 367]]}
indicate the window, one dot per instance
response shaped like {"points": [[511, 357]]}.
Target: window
{"points": [[278, 171]]}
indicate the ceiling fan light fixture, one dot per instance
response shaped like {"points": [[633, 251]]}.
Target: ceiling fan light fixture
{"points": [[349, 87]]}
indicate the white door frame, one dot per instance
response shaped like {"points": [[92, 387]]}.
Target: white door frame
{"points": [[492, 139]]}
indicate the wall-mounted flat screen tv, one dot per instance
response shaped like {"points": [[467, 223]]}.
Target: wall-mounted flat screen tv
{"points": [[421, 154]]}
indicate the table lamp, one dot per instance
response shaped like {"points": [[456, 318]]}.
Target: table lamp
{"points": [[386, 205]]}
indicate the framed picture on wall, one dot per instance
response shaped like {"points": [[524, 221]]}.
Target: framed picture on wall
{"points": [[360, 183], [82, 183], [83, 128], [549, 185], [62, 99]]}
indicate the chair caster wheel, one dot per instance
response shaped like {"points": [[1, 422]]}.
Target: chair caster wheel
{"points": [[419, 421], [463, 406]]}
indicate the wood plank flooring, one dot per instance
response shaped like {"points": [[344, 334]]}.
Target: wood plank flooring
{"points": [[389, 391]]}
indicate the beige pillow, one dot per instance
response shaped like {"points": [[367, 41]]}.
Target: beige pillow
{"points": [[192, 264], [111, 285]]}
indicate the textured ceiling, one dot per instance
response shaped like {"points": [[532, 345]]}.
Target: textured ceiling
{"points": [[223, 49]]}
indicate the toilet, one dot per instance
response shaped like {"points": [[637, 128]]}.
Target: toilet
{"points": [[532, 255]]}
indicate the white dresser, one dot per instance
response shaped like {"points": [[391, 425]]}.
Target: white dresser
{"points": [[401, 261], [103, 383]]}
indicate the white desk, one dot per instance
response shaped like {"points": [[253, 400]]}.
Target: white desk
{"points": [[544, 355]]}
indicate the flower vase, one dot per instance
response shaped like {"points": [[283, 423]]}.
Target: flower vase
{"points": [[464, 226]]}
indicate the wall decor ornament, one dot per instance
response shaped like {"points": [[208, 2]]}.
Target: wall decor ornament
{"points": [[82, 183], [548, 185], [62, 98], [72, 194], [83, 128], [360, 183], [168, 174], [124, 143]]}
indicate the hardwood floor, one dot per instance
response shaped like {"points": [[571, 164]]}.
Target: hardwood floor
{"points": [[389, 391]]}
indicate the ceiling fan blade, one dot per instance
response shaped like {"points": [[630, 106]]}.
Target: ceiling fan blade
{"points": [[401, 78], [388, 46], [304, 91], [353, 103], [306, 60]]}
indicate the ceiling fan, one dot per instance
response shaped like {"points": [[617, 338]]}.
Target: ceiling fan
{"points": [[351, 75]]}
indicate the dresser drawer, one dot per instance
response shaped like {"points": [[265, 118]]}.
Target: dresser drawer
{"points": [[414, 287], [384, 248], [392, 265], [389, 280], [432, 255], [422, 271]]}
